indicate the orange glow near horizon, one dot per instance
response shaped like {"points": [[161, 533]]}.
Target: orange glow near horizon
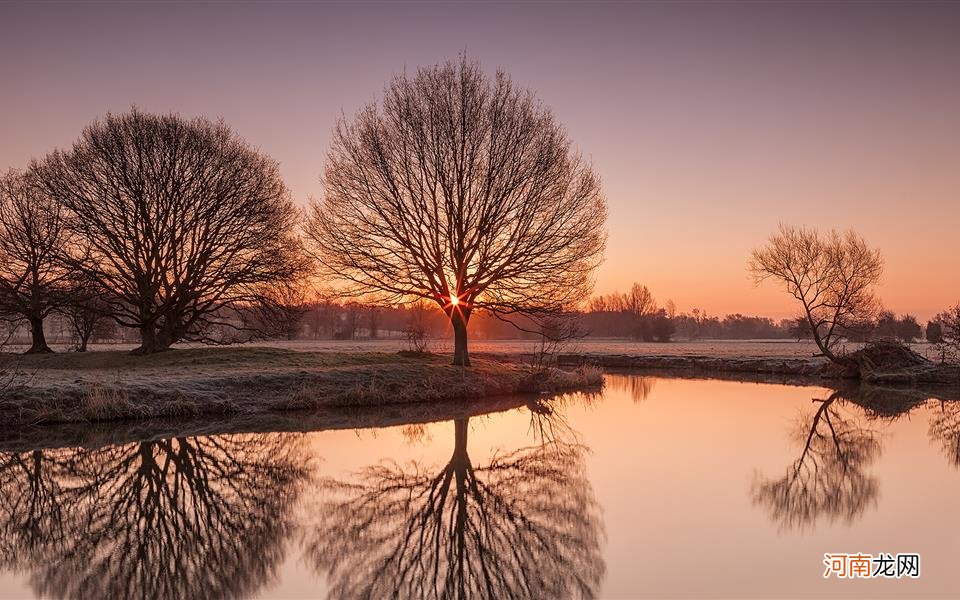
{"points": [[708, 123]]}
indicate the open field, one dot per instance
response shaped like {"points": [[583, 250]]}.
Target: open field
{"points": [[712, 348], [92, 386]]}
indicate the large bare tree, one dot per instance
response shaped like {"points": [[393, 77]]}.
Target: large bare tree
{"points": [[32, 234], [463, 190], [181, 220], [832, 276]]}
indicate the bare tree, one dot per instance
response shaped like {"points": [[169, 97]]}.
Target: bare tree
{"points": [[8, 365], [634, 313], [831, 275], [461, 190], [32, 233], [181, 220], [416, 330], [948, 334], [639, 301], [373, 322], [87, 313], [556, 334], [280, 311], [350, 321]]}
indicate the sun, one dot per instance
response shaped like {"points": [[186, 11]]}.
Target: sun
{"points": [[454, 301]]}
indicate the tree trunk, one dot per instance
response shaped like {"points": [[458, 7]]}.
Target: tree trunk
{"points": [[461, 357], [151, 341], [82, 342], [39, 345]]}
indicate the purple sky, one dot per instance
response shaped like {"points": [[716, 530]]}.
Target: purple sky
{"points": [[709, 123]]}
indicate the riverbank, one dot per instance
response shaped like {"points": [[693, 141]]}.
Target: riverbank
{"points": [[808, 370], [98, 386], [794, 367]]}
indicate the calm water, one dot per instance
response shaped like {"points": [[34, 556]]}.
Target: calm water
{"points": [[654, 488]]}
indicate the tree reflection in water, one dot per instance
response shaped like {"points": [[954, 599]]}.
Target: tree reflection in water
{"points": [[525, 525], [35, 488], [945, 429], [173, 518], [638, 387], [829, 479]]}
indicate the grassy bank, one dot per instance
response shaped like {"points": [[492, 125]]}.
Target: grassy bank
{"points": [[63, 388]]}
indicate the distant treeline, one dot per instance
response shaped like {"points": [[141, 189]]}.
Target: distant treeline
{"points": [[601, 318], [634, 315]]}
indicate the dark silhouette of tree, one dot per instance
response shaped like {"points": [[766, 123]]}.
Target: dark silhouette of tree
{"points": [[555, 334], [350, 321], [949, 324], [373, 321], [889, 326], [417, 328], [828, 480], [934, 332], [639, 301], [799, 328], [32, 235], [636, 314], [661, 326], [463, 191], [886, 325], [180, 219], [281, 311], [908, 329], [173, 518], [524, 526], [832, 276], [87, 313]]}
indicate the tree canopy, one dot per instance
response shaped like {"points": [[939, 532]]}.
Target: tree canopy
{"points": [[179, 219], [463, 190]]}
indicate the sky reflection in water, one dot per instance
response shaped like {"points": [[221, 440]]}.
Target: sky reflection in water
{"points": [[656, 487]]}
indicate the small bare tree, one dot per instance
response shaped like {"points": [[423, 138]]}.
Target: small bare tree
{"points": [[416, 331], [88, 315], [279, 312], [181, 220], [639, 301], [464, 191], [948, 338], [832, 276], [556, 334], [32, 234]]}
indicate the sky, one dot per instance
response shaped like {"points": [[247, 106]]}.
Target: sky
{"points": [[709, 123]]}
